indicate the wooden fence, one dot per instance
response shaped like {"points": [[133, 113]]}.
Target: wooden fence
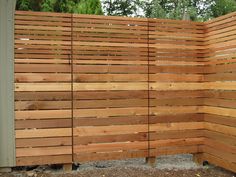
{"points": [[220, 100], [98, 88]]}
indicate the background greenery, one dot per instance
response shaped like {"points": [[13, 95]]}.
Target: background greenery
{"points": [[196, 10]]}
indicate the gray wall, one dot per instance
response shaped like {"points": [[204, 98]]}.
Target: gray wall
{"points": [[7, 134]]}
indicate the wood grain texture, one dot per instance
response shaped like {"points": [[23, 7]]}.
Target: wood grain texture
{"points": [[42, 79], [220, 146], [176, 86], [124, 88], [110, 75]]}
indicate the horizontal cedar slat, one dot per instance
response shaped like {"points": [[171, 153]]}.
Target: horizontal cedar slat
{"points": [[133, 81]]}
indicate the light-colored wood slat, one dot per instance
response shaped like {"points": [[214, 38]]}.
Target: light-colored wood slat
{"points": [[110, 86], [43, 28], [220, 128], [43, 114], [20, 21], [30, 152], [85, 140], [177, 142], [176, 77], [193, 86], [107, 44], [42, 42], [50, 77], [177, 126], [97, 95], [109, 130], [111, 103], [219, 111], [43, 142], [176, 134], [125, 86], [106, 147], [174, 110], [110, 77], [39, 133], [111, 30], [19, 87], [102, 113], [114, 25]]}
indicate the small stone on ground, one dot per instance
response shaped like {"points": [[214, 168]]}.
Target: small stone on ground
{"points": [[166, 166]]}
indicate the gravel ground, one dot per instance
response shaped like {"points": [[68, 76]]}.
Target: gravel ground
{"points": [[167, 166]]}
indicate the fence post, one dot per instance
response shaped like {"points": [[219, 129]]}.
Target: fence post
{"points": [[7, 134]]}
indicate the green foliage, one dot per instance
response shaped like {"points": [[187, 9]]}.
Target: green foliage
{"points": [[222, 7], [23, 5], [47, 6], [89, 7], [157, 10], [196, 10], [121, 7], [67, 6]]}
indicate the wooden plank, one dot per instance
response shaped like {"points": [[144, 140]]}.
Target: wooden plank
{"points": [[176, 142], [109, 130], [43, 114], [220, 162], [39, 133], [177, 126], [85, 157], [220, 128], [219, 111], [176, 134], [42, 160], [30, 152], [193, 86], [176, 150], [190, 93], [78, 140], [43, 142], [189, 117], [114, 120], [106, 147], [56, 123]]}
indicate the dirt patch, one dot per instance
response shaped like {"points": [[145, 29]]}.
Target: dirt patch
{"points": [[167, 166], [180, 162], [128, 172]]}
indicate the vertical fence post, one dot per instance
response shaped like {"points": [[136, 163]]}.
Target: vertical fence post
{"points": [[7, 135]]}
